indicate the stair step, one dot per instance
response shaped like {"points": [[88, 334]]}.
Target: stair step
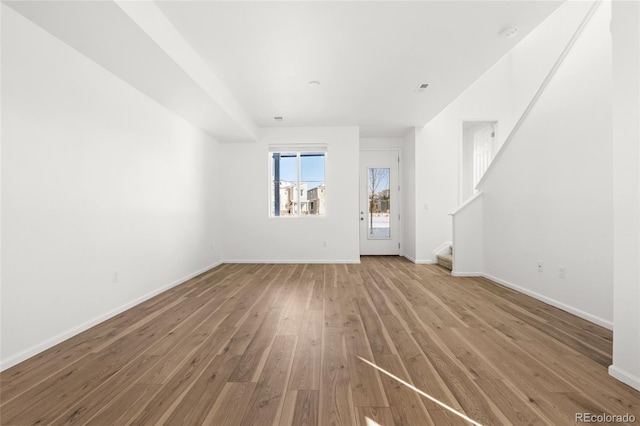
{"points": [[446, 261]]}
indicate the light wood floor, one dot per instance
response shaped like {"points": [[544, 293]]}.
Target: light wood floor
{"points": [[278, 344]]}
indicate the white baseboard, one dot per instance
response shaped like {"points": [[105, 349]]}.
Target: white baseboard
{"points": [[292, 262], [420, 262], [575, 311], [625, 377], [466, 274], [41, 347]]}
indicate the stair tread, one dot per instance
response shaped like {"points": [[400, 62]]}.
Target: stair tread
{"points": [[445, 260]]}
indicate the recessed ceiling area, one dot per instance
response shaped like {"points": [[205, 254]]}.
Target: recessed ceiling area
{"points": [[369, 55], [230, 67]]}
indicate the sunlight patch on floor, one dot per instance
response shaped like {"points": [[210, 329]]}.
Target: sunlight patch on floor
{"points": [[370, 422], [415, 389]]}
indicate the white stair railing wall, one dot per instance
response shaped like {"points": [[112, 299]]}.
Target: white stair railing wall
{"points": [[467, 220], [468, 238]]}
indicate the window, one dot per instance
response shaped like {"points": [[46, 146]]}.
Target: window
{"points": [[297, 183]]}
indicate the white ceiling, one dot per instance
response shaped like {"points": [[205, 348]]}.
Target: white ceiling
{"points": [[108, 35], [369, 56], [228, 66]]}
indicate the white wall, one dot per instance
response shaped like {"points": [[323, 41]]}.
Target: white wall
{"points": [[501, 94], [408, 170], [468, 238], [96, 178], [382, 143], [626, 192], [250, 235], [549, 196]]}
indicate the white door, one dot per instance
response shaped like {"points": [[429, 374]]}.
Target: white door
{"points": [[379, 203]]}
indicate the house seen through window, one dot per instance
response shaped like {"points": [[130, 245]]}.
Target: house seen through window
{"points": [[297, 183]]}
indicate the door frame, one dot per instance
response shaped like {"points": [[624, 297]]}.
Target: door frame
{"points": [[398, 151]]}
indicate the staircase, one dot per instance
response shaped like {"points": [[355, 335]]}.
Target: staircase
{"points": [[446, 260]]}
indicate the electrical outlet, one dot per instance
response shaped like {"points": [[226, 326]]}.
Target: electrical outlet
{"points": [[325, 244], [114, 278], [562, 272], [540, 266]]}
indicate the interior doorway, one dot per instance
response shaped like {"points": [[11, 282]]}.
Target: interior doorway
{"points": [[478, 150]]}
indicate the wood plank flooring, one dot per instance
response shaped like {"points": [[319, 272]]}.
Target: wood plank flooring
{"points": [[280, 345]]}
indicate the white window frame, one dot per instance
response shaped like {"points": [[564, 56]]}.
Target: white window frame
{"points": [[298, 150]]}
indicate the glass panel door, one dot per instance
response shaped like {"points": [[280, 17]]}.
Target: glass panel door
{"points": [[379, 197], [380, 229]]}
